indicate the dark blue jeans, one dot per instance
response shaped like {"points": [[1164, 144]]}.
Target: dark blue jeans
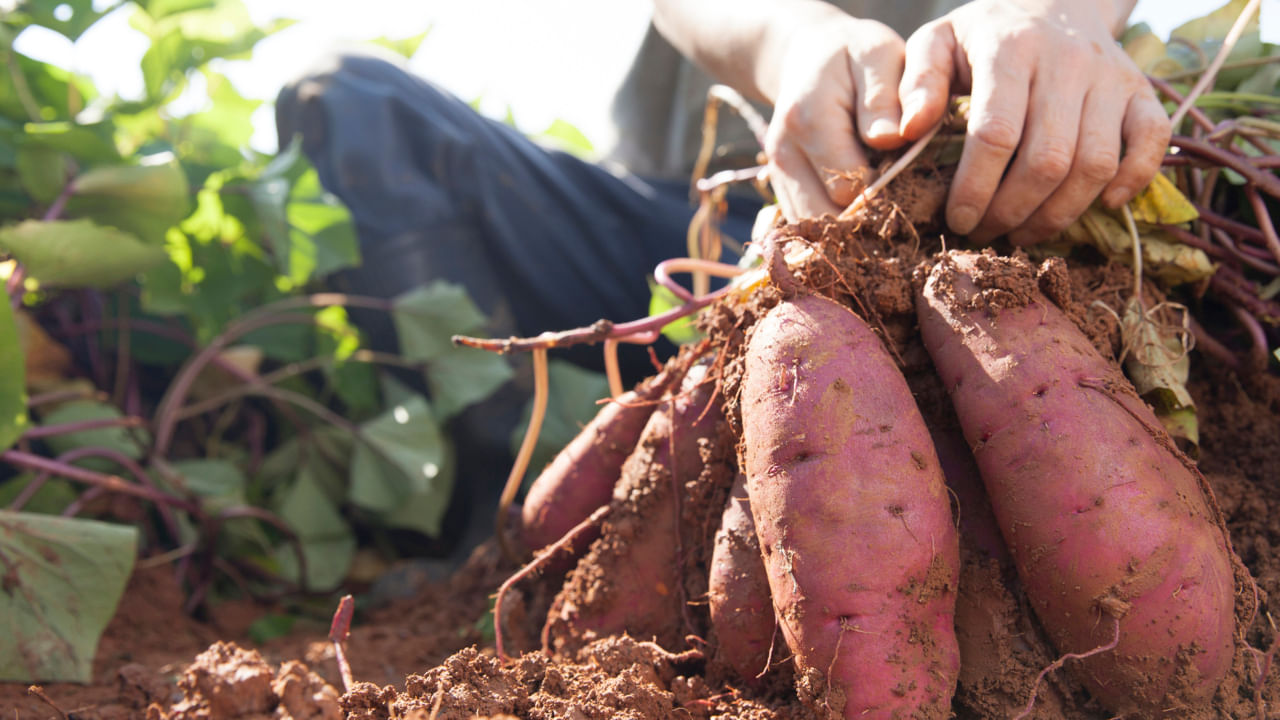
{"points": [[541, 239]]}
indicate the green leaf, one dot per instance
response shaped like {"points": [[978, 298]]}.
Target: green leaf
{"points": [[427, 317], [573, 401], [43, 172], [327, 541], [62, 580], [1208, 33], [159, 9], [51, 499], [211, 479], [308, 229], [46, 13], [411, 465], [404, 47], [122, 440], [13, 373], [78, 253], [88, 144], [460, 377], [677, 331], [145, 199], [561, 135]]}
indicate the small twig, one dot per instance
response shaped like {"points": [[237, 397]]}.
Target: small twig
{"points": [[1060, 662], [59, 204], [662, 273], [1136, 239], [339, 631], [38, 692], [731, 177], [1210, 345], [564, 543], [60, 396], [540, 395], [594, 333], [888, 175], [1228, 44]]}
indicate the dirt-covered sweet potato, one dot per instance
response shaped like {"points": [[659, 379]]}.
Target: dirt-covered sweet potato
{"points": [[1108, 526], [630, 580], [582, 476], [852, 515], [738, 590]]}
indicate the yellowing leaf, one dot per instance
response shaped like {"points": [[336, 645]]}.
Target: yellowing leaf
{"points": [[1161, 203], [1163, 257], [1158, 363]]}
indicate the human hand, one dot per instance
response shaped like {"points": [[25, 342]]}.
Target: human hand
{"points": [[1052, 99], [834, 74]]}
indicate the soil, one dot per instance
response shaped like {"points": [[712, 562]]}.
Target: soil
{"points": [[428, 656]]}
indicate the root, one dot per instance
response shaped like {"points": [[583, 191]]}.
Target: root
{"points": [[543, 556], [1035, 688], [540, 393]]}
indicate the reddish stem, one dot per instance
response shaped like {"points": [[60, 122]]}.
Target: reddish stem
{"points": [[339, 631], [1265, 181], [1263, 216], [44, 431], [29, 461], [1194, 112]]}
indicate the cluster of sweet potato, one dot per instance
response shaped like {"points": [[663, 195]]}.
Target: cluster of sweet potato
{"points": [[841, 516]]}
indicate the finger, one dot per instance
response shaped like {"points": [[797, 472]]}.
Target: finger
{"points": [[875, 77], [812, 134], [801, 194], [1046, 154], [1097, 159], [926, 78], [1146, 132], [997, 111]]}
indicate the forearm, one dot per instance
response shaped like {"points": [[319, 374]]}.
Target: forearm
{"points": [[739, 42]]}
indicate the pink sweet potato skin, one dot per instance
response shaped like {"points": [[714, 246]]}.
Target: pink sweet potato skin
{"points": [[1101, 517], [738, 588], [853, 519], [582, 476]]}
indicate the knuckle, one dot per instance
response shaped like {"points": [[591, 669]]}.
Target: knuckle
{"points": [[795, 120], [999, 133], [1099, 165], [1050, 162]]}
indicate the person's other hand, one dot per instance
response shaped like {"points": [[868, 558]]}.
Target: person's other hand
{"points": [[1052, 98], [837, 89]]}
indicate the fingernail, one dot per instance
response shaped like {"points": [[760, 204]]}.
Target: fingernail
{"points": [[1116, 197], [882, 127], [963, 219]]}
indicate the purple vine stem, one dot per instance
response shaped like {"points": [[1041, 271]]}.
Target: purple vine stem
{"points": [[276, 313], [44, 431], [62, 468]]}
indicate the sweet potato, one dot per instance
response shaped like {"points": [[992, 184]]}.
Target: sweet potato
{"points": [[630, 580], [853, 519], [738, 589], [1109, 527], [582, 476]]}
